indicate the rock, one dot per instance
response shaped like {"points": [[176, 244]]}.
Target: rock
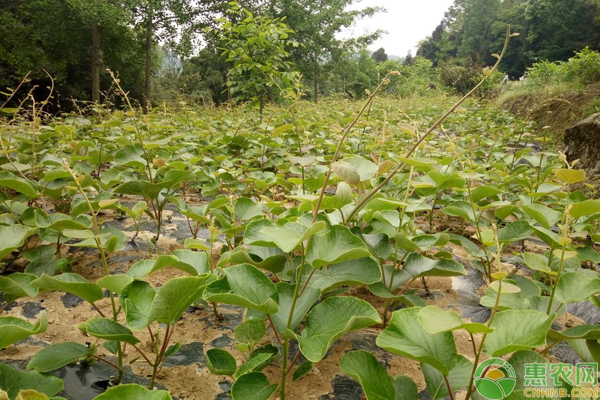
{"points": [[582, 142]]}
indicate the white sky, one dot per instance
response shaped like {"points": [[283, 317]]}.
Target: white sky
{"points": [[407, 23]]}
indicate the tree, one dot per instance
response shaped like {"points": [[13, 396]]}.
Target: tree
{"points": [[479, 16], [380, 55], [97, 14], [557, 28], [174, 22], [256, 48], [32, 40], [317, 25]]}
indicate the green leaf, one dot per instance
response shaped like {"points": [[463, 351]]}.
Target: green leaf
{"points": [[303, 305], [115, 283], [62, 222], [192, 262], [13, 329], [406, 389], [343, 196], [107, 329], [246, 209], [13, 381], [460, 209], [362, 271], [587, 332], [329, 320], [543, 215], [570, 176], [58, 355], [365, 168], [584, 208], [283, 129], [302, 370], [12, 237], [514, 232], [220, 362], [575, 287], [17, 285], [289, 236], [336, 246], [249, 331], [147, 190], [417, 266], [346, 172], [482, 192], [364, 368], [176, 296], [131, 156], [133, 392], [70, 283], [537, 262], [517, 330], [136, 300], [18, 184], [252, 386], [405, 336], [458, 377], [244, 285], [435, 320]]}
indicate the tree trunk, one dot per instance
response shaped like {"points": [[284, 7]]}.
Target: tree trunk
{"points": [[95, 62], [315, 88], [149, 43]]}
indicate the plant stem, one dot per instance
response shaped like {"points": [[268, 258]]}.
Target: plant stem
{"points": [[560, 266], [400, 165], [111, 364], [480, 348], [450, 393]]}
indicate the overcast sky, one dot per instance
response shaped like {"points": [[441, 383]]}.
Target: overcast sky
{"points": [[407, 22]]}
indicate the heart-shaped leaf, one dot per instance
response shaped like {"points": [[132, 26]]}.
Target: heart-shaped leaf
{"points": [[289, 236], [435, 320], [12, 237], [517, 330], [192, 262], [249, 331], [136, 299], [133, 392], [329, 320], [458, 378], [584, 208], [13, 381], [17, 184], [17, 285], [336, 246], [58, 355], [115, 283], [405, 336], [575, 287], [244, 285], [361, 271], [13, 329], [417, 266], [346, 172], [587, 332], [70, 283], [107, 329], [252, 386], [175, 296], [364, 368], [220, 362], [303, 305], [147, 190]]}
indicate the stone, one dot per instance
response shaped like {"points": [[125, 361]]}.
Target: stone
{"points": [[582, 142]]}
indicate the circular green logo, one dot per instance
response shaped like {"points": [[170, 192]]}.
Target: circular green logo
{"points": [[495, 379]]}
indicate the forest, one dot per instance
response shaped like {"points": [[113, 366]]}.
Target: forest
{"points": [[240, 200]]}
